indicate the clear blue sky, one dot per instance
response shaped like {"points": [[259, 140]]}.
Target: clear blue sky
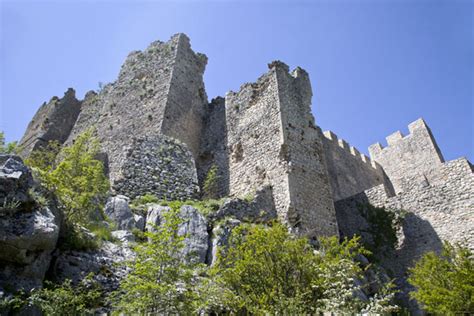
{"points": [[375, 66]]}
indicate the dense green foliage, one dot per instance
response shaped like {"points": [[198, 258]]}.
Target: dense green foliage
{"points": [[266, 270], [65, 299], [445, 283], [7, 148], [78, 180], [160, 281]]}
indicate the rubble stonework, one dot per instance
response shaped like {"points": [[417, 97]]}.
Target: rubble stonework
{"points": [[158, 165], [262, 136]]}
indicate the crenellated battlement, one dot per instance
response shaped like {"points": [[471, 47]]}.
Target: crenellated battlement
{"points": [[418, 128], [415, 154], [351, 150], [350, 172]]}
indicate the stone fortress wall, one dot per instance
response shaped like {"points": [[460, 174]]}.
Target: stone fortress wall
{"points": [[272, 141], [415, 155], [264, 135], [213, 149], [441, 193], [435, 198], [350, 172]]}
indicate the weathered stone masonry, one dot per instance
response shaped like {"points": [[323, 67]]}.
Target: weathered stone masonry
{"points": [[272, 140], [416, 154]]}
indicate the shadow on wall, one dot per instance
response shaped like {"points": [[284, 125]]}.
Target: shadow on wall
{"points": [[396, 248], [417, 237]]}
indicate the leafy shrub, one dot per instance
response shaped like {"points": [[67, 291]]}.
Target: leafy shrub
{"points": [[266, 270], [12, 304], [382, 227], [7, 148], [445, 283], [139, 235], [77, 238], [65, 299], [145, 199], [78, 180], [101, 232], [43, 159], [160, 279]]}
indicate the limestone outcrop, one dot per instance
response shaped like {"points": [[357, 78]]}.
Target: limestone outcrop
{"points": [[28, 231], [194, 227], [119, 212]]}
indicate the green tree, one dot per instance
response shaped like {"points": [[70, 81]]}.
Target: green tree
{"points": [[266, 270], [7, 148], [66, 299], [160, 280], [78, 180], [43, 159], [445, 283]]}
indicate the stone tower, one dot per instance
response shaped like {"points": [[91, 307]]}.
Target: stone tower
{"points": [[159, 92], [272, 140]]}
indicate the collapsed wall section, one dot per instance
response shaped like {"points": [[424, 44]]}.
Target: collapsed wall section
{"points": [[415, 156], [272, 140], [350, 172], [52, 122]]}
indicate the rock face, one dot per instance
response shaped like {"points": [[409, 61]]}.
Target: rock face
{"points": [[259, 209], [119, 212], [220, 236], [15, 180], [76, 265], [194, 227], [28, 232]]}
